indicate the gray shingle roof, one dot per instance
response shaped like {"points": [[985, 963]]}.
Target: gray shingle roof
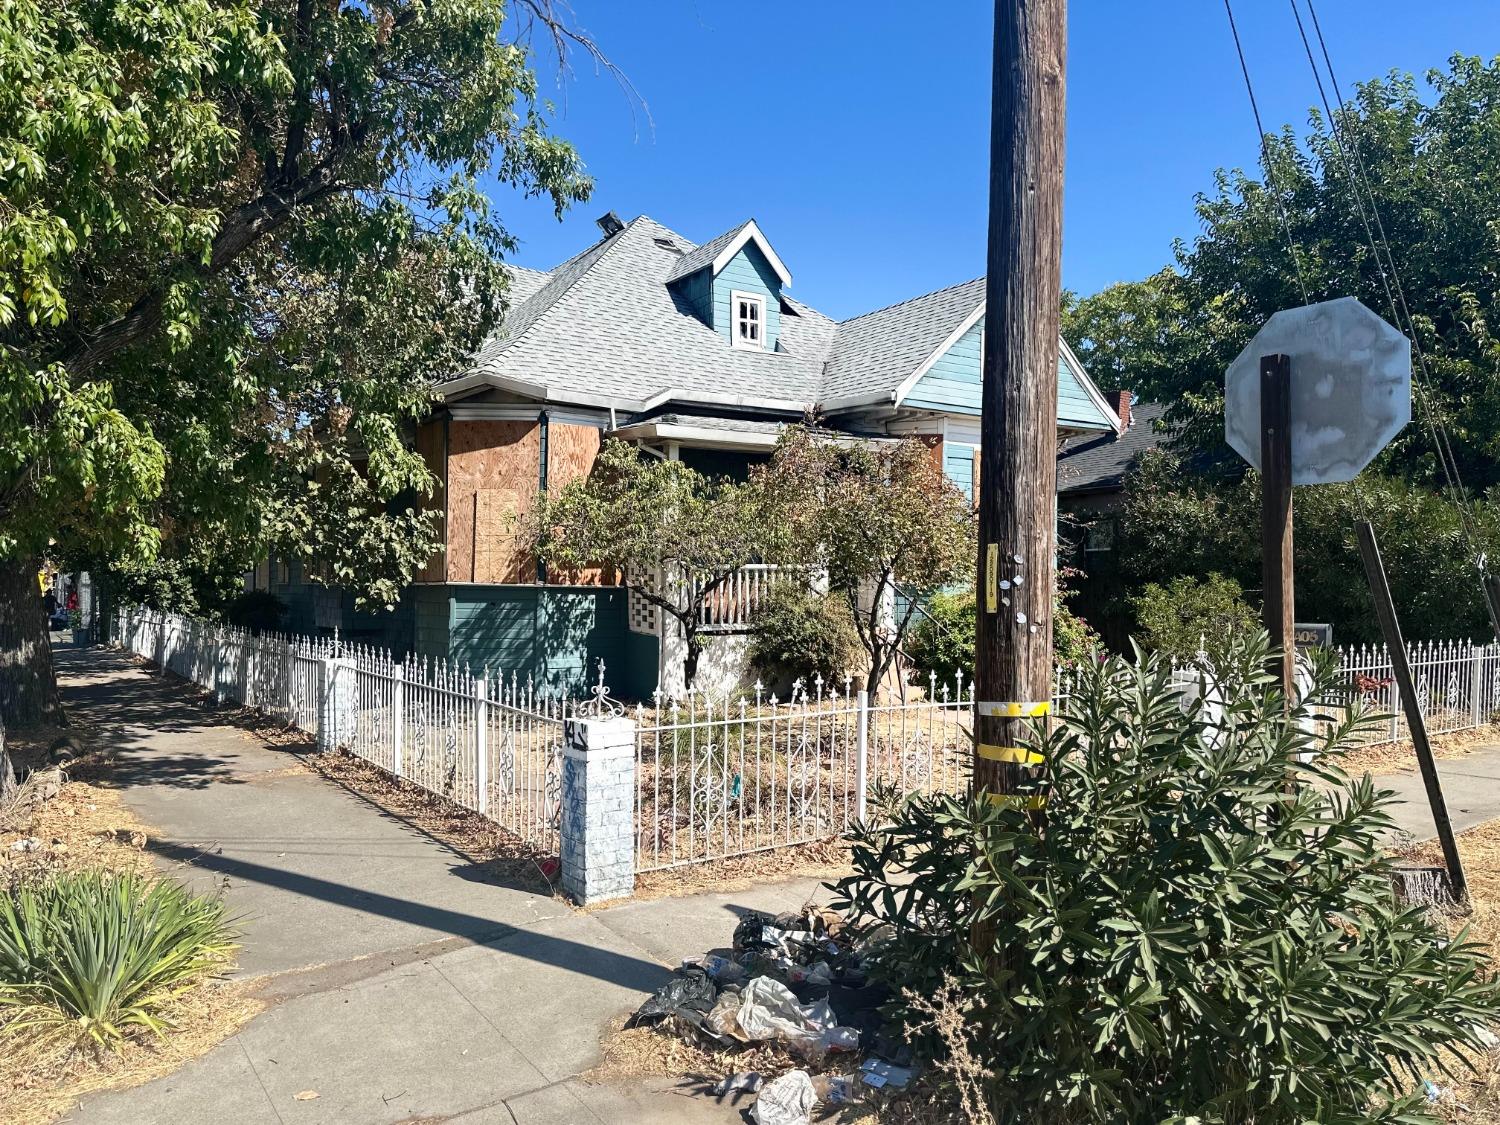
{"points": [[1098, 462], [524, 283], [695, 260], [876, 351], [605, 328]]}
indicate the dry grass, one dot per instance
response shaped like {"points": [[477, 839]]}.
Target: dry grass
{"points": [[826, 860], [38, 1086], [1474, 1099], [87, 825], [1401, 757]]}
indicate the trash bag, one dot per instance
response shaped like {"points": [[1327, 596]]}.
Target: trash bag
{"points": [[787, 1100], [723, 1019], [688, 996], [769, 1010], [757, 932]]}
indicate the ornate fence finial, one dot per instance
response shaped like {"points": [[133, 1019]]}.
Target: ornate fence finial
{"points": [[600, 705]]}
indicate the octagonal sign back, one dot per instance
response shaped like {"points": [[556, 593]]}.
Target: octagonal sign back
{"points": [[1350, 388]]}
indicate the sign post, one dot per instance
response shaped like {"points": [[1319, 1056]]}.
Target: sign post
{"points": [[1278, 600]]}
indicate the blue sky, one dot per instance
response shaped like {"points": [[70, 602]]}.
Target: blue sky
{"points": [[857, 133]]}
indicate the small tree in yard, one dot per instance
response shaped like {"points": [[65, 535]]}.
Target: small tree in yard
{"points": [[674, 534], [1177, 937], [883, 520]]}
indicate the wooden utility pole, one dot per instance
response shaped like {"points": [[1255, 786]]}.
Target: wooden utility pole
{"points": [[1390, 627], [1277, 597], [1018, 450]]}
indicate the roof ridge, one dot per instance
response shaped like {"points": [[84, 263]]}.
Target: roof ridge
{"points": [[909, 300], [603, 246]]}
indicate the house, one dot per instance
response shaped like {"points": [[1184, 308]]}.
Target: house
{"points": [[1091, 475], [695, 352]]}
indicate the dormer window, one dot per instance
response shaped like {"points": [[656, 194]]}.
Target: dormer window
{"points": [[749, 322]]}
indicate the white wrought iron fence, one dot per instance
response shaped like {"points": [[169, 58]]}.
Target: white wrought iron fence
{"points": [[715, 778], [488, 743]]}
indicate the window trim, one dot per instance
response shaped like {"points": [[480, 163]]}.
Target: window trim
{"points": [[759, 300]]}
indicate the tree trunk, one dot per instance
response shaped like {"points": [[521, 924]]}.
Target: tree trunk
{"points": [[690, 658], [28, 688], [7, 774]]}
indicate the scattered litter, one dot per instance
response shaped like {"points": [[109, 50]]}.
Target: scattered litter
{"points": [[798, 980], [304, 1095], [1432, 1092], [26, 844], [787, 1100], [686, 999], [747, 1080], [878, 1073], [769, 1010]]}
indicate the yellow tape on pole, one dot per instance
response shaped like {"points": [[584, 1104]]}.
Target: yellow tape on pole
{"points": [[1014, 710], [1018, 755]]}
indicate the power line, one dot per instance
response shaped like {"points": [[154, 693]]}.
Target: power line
{"points": [[1265, 156], [1357, 176]]}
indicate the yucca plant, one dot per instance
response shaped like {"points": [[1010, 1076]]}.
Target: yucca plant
{"points": [[1181, 935], [96, 955]]}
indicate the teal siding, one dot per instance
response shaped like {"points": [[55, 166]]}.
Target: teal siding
{"points": [[952, 384], [555, 635], [747, 272], [697, 291], [432, 621], [958, 464]]}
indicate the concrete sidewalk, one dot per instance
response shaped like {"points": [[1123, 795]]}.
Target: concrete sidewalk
{"points": [[1471, 790], [404, 986]]}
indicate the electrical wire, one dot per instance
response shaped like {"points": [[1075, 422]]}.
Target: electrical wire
{"points": [[1265, 157], [1367, 208]]}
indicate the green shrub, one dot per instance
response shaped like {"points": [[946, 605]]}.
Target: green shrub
{"points": [[800, 634], [1176, 936], [94, 955], [942, 643], [1180, 617]]}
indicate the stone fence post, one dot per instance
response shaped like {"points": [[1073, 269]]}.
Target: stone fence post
{"points": [[598, 809]]}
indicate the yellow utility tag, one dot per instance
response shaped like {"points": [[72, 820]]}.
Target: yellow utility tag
{"points": [[1017, 755], [1014, 710], [991, 577]]}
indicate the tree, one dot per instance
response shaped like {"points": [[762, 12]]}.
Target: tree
{"points": [[1178, 523], [1432, 169], [882, 519], [674, 534], [238, 239]]}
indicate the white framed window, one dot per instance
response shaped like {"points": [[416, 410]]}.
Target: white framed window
{"points": [[747, 316]]}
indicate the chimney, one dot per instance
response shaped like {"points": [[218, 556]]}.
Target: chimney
{"points": [[1120, 400], [610, 224]]}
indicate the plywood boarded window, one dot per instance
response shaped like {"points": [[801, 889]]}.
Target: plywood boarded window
{"points": [[493, 477], [571, 453], [431, 444]]}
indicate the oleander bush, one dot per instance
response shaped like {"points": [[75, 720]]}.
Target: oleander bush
{"points": [[1179, 934]]}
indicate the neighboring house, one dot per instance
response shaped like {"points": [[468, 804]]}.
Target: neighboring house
{"points": [[1091, 474], [697, 353]]}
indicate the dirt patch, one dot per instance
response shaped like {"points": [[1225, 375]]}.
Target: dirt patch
{"points": [[1473, 1098], [1401, 757], [826, 860]]}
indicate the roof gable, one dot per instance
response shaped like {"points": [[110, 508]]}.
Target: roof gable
{"points": [[716, 253]]}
